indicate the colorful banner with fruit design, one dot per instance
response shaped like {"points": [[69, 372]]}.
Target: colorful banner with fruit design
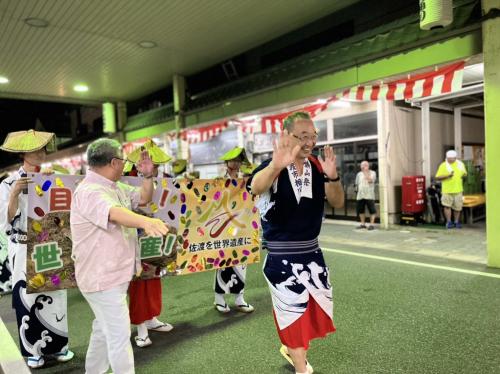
{"points": [[214, 224], [219, 225]]}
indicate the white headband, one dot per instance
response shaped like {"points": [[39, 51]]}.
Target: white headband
{"points": [[451, 154]]}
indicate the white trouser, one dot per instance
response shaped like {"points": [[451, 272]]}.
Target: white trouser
{"points": [[110, 339]]}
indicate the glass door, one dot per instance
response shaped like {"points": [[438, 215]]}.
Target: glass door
{"points": [[349, 157], [347, 167]]}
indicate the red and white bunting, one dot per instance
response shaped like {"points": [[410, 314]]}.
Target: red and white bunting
{"points": [[203, 134], [274, 124], [247, 127], [200, 134], [445, 80]]}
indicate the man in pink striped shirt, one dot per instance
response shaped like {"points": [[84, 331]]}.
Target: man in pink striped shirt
{"points": [[104, 233]]}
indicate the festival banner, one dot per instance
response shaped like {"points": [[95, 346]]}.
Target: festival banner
{"points": [[219, 225], [233, 219]]}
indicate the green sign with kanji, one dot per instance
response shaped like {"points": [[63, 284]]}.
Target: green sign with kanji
{"points": [[47, 256], [151, 246], [156, 246]]}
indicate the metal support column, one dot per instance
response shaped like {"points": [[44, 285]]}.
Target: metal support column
{"points": [[179, 87], [457, 121], [426, 142], [491, 56]]}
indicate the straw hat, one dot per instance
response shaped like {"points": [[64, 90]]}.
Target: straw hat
{"points": [[157, 155], [236, 152], [60, 169], [29, 141], [179, 166]]}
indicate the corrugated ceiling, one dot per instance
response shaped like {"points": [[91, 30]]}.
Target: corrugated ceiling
{"points": [[96, 42]]}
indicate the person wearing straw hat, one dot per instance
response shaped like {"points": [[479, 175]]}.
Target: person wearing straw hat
{"points": [[145, 295], [179, 167], [231, 280], [247, 169], [42, 318], [450, 173]]}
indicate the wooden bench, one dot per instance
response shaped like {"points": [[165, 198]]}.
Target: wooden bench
{"points": [[474, 208]]}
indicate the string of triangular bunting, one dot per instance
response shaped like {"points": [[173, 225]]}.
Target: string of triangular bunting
{"points": [[444, 80]]}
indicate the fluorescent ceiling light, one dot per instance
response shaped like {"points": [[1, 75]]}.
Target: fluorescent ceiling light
{"points": [[81, 88], [147, 44], [36, 22], [4, 80]]}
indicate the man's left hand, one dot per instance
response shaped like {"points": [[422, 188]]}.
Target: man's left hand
{"points": [[145, 165], [329, 163]]}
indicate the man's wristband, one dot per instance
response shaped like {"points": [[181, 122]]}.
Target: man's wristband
{"points": [[148, 177], [328, 180]]}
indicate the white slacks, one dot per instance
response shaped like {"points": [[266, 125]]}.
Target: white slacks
{"points": [[110, 339]]}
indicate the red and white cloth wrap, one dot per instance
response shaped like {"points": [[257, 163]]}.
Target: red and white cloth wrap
{"points": [[299, 280]]}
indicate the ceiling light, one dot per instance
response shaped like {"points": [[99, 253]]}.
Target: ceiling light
{"points": [[81, 88], [147, 44], [4, 80], [36, 22]]}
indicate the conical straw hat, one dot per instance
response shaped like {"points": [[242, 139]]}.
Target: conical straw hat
{"points": [[28, 141], [235, 153], [178, 166], [155, 153], [60, 169]]}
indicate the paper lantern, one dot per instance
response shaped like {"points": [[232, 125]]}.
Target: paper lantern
{"points": [[435, 14]]}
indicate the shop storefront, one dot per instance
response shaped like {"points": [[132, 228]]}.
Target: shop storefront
{"points": [[373, 122]]}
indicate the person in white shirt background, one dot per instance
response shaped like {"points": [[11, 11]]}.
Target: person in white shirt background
{"points": [[365, 183]]}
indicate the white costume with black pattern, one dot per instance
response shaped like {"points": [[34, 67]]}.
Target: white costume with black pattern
{"points": [[230, 280], [42, 318]]}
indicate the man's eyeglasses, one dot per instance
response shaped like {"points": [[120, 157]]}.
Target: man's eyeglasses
{"points": [[121, 159], [306, 138]]}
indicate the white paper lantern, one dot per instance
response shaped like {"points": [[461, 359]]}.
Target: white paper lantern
{"points": [[435, 13]]}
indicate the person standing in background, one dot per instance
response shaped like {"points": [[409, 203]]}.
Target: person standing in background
{"points": [[145, 295], [231, 280], [365, 198], [451, 173]]}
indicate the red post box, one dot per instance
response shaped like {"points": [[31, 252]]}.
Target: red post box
{"points": [[413, 194]]}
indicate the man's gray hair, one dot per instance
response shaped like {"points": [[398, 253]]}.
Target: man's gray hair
{"points": [[101, 151]]}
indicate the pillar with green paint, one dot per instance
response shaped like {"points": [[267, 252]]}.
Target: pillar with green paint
{"points": [[491, 53]]}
